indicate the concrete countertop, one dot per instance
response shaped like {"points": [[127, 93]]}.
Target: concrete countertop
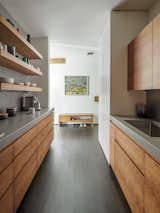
{"points": [[149, 144], [14, 127]]}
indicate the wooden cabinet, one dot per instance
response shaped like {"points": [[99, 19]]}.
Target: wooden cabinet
{"points": [[135, 153], [24, 179], [131, 180], [112, 145], [156, 52], [20, 162], [6, 157], [140, 60], [7, 201], [137, 173], [152, 185]]}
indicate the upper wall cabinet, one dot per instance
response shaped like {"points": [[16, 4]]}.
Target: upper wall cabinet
{"points": [[140, 60], [156, 53]]}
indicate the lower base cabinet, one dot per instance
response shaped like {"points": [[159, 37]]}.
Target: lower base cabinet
{"points": [[21, 165], [7, 201], [138, 176], [130, 179], [152, 185], [24, 179]]}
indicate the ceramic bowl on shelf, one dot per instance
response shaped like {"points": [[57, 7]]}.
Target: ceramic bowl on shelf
{"points": [[7, 80], [27, 84], [33, 85]]}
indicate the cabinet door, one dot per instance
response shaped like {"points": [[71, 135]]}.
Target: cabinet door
{"points": [[152, 186], [112, 143], [156, 53], [140, 60], [130, 179]]}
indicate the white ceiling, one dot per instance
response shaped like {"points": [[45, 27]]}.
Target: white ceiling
{"points": [[135, 5], [78, 22]]}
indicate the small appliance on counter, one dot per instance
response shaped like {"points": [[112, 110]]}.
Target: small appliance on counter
{"points": [[28, 102], [142, 110]]}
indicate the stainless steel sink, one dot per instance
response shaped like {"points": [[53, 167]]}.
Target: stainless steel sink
{"points": [[150, 127]]}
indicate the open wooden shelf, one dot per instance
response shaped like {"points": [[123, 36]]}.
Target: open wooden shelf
{"points": [[15, 87], [10, 36], [10, 61]]}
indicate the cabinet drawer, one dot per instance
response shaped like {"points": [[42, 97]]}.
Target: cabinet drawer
{"points": [[131, 180], [24, 179], [42, 136], [24, 156], [27, 138], [7, 201], [6, 157], [6, 178], [152, 185], [136, 154], [43, 149]]}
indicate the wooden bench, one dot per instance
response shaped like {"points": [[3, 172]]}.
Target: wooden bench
{"points": [[83, 118]]}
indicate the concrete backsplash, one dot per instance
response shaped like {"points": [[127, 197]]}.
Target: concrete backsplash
{"points": [[153, 101]]}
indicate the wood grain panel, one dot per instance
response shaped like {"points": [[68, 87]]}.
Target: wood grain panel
{"points": [[24, 157], [6, 157], [112, 145], [9, 35], [14, 63], [156, 52], [136, 154], [130, 179], [24, 179], [6, 178], [140, 60], [7, 201], [27, 138], [152, 185]]}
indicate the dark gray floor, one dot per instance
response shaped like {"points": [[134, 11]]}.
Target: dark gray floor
{"points": [[74, 178]]}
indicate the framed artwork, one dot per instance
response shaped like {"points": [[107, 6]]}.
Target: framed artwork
{"points": [[76, 85]]}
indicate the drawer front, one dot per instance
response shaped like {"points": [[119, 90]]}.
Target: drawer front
{"points": [[152, 185], [136, 154], [42, 136], [131, 180], [27, 138], [6, 157], [6, 178], [24, 179], [24, 156], [7, 201], [43, 148]]}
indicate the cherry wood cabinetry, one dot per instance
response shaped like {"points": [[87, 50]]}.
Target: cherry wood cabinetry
{"points": [[20, 162], [137, 173], [140, 60]]}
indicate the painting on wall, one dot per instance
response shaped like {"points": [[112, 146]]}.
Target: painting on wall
{"points": [[76, 85]]}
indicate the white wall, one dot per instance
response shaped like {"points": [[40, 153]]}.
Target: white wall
{"points": [[104, 78], [155, 10], [78, 63], [124, 28]]}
